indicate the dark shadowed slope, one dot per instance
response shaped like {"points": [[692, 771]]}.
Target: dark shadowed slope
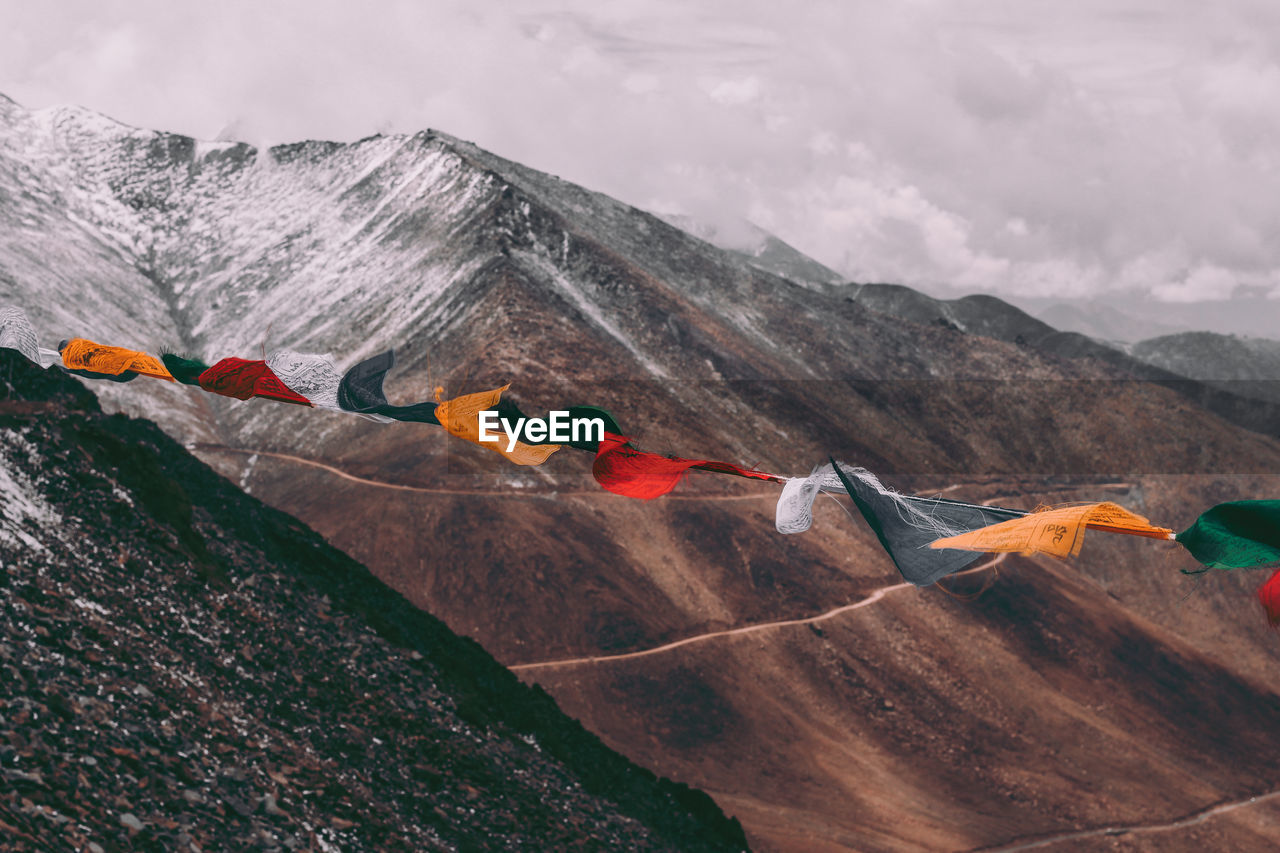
{"points": [[179, 663]]}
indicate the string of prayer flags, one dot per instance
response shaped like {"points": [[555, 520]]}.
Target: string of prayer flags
{"points": [[85, 355], [460, 416], [244, 378], [907, 524], [622, 469], [1235, 535]]}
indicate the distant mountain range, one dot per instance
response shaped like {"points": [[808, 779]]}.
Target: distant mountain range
{"points": [[916, 719], [1245, 373], [1104, 322], [1128, 317]]}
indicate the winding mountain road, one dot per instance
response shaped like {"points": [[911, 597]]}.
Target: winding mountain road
{"points": [[1133, 829], [503, 493], [871, 599]]}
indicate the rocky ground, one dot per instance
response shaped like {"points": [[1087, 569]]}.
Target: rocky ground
{"points": [[183, 668]]}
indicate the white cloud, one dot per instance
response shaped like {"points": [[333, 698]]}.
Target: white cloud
{"points": [[641, 84], [735, 92], [1006, 145], [1204, 283]]}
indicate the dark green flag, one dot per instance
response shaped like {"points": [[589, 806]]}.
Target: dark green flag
{"points": [[185, 370], [1236, 535]]}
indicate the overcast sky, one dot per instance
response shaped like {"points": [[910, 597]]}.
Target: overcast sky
{"points": [[1013, 146]]}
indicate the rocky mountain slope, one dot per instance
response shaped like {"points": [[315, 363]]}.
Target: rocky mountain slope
{"points": [[914, 720], [1181, 363], [760, 249], [1248, 367], [185, 668]]}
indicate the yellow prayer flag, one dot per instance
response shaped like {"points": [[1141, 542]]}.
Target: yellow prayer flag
{"points": [[1058, 532], [82, 354], [461, 417]]}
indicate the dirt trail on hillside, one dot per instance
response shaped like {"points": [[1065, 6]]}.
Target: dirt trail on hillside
{"points": [[1135, 829], [504, 493], [875, 596], [519, 493]]}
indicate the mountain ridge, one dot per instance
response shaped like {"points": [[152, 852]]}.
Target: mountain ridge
{"points": [[1245, 366]]}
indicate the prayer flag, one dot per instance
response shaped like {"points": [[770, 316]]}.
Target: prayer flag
{"points": [[1235, 535], [907, 524], [85, 355], [624, 470], [242, 378], [461, 417], [360, 391], [1058, 532]]}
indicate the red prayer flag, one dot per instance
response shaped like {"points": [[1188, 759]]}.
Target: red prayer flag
{"points": [[242, 379], [1269, 595], [624, 470]]}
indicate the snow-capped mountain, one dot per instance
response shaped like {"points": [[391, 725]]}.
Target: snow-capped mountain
{"points": [[472, 266]]}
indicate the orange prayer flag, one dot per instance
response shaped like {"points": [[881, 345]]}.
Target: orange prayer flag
{"points": [[1058, 532], [461, 417], [82, 354]]}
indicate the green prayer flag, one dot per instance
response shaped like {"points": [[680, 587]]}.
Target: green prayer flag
{"points": [[1236, 535], [185, 370]]}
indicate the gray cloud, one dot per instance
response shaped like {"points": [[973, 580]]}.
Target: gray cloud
{"points": [[1026, 147]]}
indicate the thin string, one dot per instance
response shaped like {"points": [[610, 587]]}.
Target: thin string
{"points": [[989, 582], [265, 336]]}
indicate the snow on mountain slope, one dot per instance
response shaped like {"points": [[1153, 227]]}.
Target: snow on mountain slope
{"points": [[73, 255], [470, 265]]}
